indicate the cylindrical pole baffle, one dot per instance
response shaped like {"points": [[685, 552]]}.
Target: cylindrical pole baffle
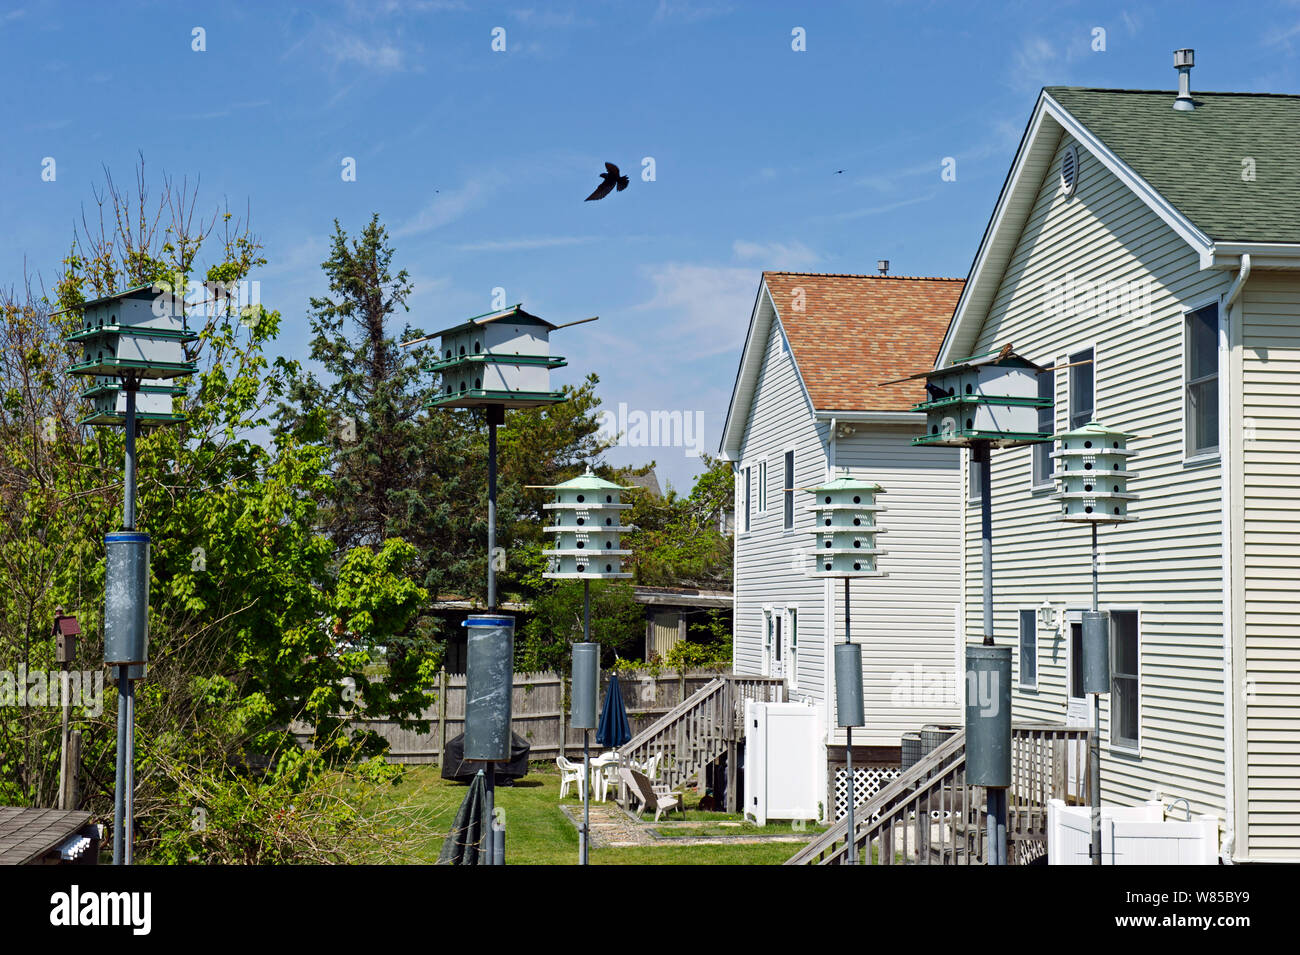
{"points": [[848, 685], [988, 716], [586, 686], [126, 598], [1096, 651], [489, 686]]}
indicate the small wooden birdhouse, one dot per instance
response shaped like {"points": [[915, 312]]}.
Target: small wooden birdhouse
{"points": [[588, 521], [153, 403], [1092, 475], [992, 397], [65, 631], [845, 529], [139, 333], [501, 358]]}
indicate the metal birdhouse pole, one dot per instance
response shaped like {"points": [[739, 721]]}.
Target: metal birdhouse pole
{"points": [[588, 546], [126, 339], [982, 402], [1093, 476], [497, 360], [845, 531]]}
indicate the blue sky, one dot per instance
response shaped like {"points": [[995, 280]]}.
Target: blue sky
{"points": [[478, 161]]}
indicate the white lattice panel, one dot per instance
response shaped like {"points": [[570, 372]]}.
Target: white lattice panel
{"points": [[866, 783]]}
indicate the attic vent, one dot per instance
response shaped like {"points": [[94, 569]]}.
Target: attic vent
{"points": [[1070, 170]]}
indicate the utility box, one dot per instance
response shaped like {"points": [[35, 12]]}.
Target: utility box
{"points": [[785, 762], [500, 358], [844, 529], [1092, 475], [139, 333], [985, 398], [587, 525]]}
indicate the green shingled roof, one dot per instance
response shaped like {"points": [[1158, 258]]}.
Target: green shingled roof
{"points": [[1194, 159]]}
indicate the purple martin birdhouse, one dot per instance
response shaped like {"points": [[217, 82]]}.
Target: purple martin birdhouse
{"points": [[499, 358], [587, 523], [990, 398], [844, 528]]}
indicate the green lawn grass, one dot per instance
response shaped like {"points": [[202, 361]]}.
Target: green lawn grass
{"points": [[537, 832]]}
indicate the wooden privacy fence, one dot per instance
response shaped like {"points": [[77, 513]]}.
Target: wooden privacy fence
{"points": [[540, 712]]}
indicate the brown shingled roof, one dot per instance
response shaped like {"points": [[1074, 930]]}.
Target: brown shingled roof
{"points": [[855, 331]]}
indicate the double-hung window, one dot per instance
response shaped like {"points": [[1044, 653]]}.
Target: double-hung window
{"points": [[1125, 729], [1046, 424], [1083, 382], [1202, 373], [788, 490], [1029, 649]]}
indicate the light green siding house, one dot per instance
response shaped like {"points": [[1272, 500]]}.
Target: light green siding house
{"points": [[1153, 256]]}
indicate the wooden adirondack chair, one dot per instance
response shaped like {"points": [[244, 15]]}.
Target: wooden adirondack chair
{"points": [[650, 796]]}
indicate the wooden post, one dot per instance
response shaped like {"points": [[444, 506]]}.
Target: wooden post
{"points": [[565, 690], [442, 713], [74, 765]]}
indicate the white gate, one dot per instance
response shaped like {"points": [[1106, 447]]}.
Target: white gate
{"points": [[1130, 835]]}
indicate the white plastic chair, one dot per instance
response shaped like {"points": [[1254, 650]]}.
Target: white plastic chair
{"points": [[571, 773]]}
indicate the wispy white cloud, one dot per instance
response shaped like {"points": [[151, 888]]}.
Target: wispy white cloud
{"points": [[683, 11], [879, 210], [380, 56], [708, 306], [775, 254], [448, 206], [524, 244]]}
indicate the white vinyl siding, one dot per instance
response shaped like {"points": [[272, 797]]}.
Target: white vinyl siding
{"points": [[1268, 541], [904, 620], [1168, 564], [766, 573]]}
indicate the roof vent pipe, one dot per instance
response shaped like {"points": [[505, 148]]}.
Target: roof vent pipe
{"points": [[1184, 60], [882, 266]]}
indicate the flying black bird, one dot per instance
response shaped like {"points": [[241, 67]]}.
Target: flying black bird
{"points": [[608, 180], [838, 171]]}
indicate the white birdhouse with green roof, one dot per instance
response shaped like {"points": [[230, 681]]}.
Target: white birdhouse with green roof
{"points": [[587, 520], [139, 333], [500, 358], [153, 403], [845, 528], [1092, 475], [986, 398]]}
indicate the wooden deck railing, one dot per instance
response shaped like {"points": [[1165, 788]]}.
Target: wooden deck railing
{"points": [[702, 727], [930, 816]]}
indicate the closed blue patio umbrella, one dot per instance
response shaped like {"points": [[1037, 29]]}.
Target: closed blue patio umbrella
{"points": [[613, 730]]}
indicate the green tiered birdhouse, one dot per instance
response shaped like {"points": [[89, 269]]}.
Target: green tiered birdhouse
{"points": [[139, 333], [992, 397], [501, 358], [845, 530], [153, 403], [588, 521], [1092, 474]]}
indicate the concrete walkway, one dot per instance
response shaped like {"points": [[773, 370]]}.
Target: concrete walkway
{"points": [[614, 828]]}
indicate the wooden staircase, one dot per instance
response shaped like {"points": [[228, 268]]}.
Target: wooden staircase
{"points": [[930, 816], [705, 726]]}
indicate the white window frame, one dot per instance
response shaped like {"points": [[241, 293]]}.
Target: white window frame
{"points": [[1020, 648], [1211, 455], [1048, 446], [1126, 747], [787, 489], [762, 486], [1069, 383], [746, 499], [792, 645], [766, 637]]}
